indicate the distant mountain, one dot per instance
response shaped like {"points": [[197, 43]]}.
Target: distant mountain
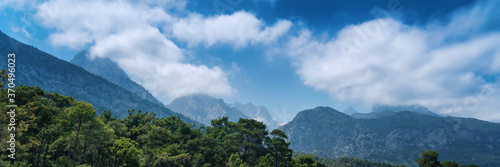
{"points": [[350, 111], [259, 113], [110, 71], [384, 110], [204, 108], [397, 138], [415, 108], [37, 68]]}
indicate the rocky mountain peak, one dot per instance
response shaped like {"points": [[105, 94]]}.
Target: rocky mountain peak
{"points": [[259, 113], [205, 108]]}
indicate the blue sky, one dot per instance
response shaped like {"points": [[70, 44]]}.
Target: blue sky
{"points": [[288, 55]]}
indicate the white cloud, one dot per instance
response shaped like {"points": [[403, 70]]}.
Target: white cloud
{"points": [[127, 32], [386, 61], [238, 29], [79, 23]]}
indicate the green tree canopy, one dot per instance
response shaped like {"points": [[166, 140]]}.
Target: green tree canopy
{"points": [[428, 159]]}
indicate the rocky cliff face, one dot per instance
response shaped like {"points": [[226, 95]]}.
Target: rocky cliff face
{"points": [[110, 71], [259, 113], [398, 138], [204, 108]]}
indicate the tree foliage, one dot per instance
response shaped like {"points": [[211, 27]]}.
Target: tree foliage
{"points": [[55, 130], [429, 158]]}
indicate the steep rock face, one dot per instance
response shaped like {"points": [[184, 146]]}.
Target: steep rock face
{"points": [[397, 138], [259, 113], [110, 71], [204, 108], [37, 68]]}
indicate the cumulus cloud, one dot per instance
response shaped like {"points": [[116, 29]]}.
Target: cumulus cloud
{"points": [[128, 33], [240, 28], [386, 61], [135, 34], [77, 25]]}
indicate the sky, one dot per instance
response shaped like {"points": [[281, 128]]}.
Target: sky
{"points": [[287, 55]]}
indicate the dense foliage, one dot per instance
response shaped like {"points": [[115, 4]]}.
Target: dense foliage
{"points": [[343, 161], [429, 158], [55, 130]]}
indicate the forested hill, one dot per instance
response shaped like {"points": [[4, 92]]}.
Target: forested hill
{"points": [[37, 68], [55, 130], [398, 137]]}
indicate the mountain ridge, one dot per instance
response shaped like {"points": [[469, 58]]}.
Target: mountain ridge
{"points": [[379, 110], [398, 138], [204, 108], [259, 113], [38, 68]]}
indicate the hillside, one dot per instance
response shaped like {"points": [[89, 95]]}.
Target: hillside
{"points": [[396, 138], [37, 68]]}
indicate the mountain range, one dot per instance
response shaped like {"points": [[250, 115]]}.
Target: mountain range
{"points": [[384, 110], [397, 138], [37, 68], [204, 108], [259, 113], [393, 134]]}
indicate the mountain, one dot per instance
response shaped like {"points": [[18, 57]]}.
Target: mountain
{"points": [[397, 138], [110, 71], [204, 108], [350, 111], [259, 113], [37, 68], [384, 110], [415, 108], [319, 129]]}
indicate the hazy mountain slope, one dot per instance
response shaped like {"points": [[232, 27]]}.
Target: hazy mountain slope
{"points": [[415, 108], [204, 108], [37, 68], [110, 71], [384, 110], [398, 138], [259, 113], [350, 111]]}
